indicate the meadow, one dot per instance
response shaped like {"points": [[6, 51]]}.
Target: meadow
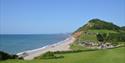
{"points": [[115, 55]]}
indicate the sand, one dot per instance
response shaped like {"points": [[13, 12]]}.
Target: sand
{"points": [[60, 46]]}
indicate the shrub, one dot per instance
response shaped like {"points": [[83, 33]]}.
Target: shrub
{"points": [[49, 55], [5, 56], [73, 51]]}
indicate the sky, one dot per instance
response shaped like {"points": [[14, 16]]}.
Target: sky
{"points": [[56, 16]]}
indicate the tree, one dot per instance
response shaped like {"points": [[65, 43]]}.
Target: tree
{"points": [[100, 37]]}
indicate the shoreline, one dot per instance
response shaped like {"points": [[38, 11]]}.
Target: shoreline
{"points": [[59, 46]]}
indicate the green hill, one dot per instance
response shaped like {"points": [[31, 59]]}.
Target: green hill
{"points": [[98, 25], [89, 31], [95, 26]]}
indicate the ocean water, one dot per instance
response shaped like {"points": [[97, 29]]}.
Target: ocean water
{"points": [[18, 43]]}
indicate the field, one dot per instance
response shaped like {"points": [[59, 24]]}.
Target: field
{"points": [[116, 55]]}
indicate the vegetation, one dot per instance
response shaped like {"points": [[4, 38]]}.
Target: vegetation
{"points": [[75, 46], [100, 37], [95, 30], [98, 24], [99, 30], [111, 37], [117, 37], [115, 55], [123, 28], [5, 56], [49, 55]]}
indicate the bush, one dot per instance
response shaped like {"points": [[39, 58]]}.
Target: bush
{"points": [[49, 55], [21, 58], [5, 56], [63, 52], [114, 38], [117, 37], [74, 51]]}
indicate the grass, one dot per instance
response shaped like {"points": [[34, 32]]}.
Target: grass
{"points": [[92, 37], [116, 55], [75, 46], [86, 37], [102, 31]]}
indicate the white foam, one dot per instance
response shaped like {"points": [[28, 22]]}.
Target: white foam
{"points": [[42, 48]]}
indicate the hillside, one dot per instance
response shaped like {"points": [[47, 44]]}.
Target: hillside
{"points": [[110, 32], [98, 25], [123, 28]]}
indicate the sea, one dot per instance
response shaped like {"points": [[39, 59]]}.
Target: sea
{"points": [[16, 43]]}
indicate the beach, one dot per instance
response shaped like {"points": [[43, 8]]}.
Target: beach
{"points": [[60, 46]]}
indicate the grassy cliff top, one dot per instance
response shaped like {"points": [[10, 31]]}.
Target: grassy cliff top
{"points": [[97, 24]]}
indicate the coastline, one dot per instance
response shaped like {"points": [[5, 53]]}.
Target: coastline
{"points": [[59, 46]]}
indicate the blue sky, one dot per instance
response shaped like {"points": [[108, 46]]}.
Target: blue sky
{"points": [[56, 16]]}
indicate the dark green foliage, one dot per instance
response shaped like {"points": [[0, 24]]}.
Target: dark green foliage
{"points": [[100, 24], [105, 36], [4, 56], [117, 37], [100, 37], [63, 52], [49, 55], [74, 51], [114, 38], [123, 28], [21, 58], [14, 56], [54, 55]]}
